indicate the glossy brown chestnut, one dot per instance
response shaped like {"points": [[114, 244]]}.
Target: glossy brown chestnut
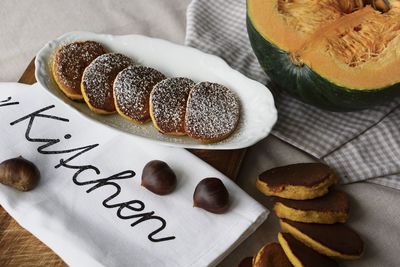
{"points": [[19, 173], [158, 177], [211, 195]]}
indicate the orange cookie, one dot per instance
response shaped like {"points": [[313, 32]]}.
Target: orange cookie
{"points": [[297, 181], [168, 105], [271, 255], [331, 208], [334, 240], [69, 63], [302, 256], [212, 112], [98, 79], [132, 88]]}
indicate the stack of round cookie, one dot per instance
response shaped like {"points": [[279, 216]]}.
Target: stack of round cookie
{"points": [[312, 217], [112, 82]]}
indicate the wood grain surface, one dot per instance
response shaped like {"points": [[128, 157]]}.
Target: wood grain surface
{"points": [[20, 248]]}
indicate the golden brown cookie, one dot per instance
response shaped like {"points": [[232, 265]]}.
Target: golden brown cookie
{"points": [[212, 112], [69, 63], [302, 256], [168, 105], [297, 181], [330, 208], [97, 81], [132, 88], [334, 240], [271, 255]]}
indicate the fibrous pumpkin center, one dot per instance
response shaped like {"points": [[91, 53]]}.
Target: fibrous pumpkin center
{"points": [[352, 44], [306, 16], [364, 42]]}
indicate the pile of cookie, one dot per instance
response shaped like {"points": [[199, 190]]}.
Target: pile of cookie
{"points": [[312, 218], [112, 82]]}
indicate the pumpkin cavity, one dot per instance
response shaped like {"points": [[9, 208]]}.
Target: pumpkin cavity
{"points": [[352, 45], [306, 16], [366, 41]]}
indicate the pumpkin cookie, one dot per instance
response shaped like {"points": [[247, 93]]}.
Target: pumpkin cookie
{"points": [[302, 256], [69, 63], [212, 112], [297, 181], [334, 240], [168, 105], [132, 88], [97, 81], [328, 209], [271, 255]]}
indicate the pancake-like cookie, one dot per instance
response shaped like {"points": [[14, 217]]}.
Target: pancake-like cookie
{"points": [[212, 112], [302, 256], [132, 88], [335, 240], [168, 105], [271, 255], [330, 208], [297, 181], [97, 81], [69, 63]]}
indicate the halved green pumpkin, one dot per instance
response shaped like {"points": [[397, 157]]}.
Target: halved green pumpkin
{"points": [[335, 54]]}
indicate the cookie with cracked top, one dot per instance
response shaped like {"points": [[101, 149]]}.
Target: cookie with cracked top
{"points": [[212, 112], [168, 105], [70, 61], [132, 88], [97, 81]]}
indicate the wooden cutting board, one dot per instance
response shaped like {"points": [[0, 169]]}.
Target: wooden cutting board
{"points": [[20, 248]]}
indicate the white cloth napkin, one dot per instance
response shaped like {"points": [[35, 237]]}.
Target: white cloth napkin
{"points": [[89, 171]]}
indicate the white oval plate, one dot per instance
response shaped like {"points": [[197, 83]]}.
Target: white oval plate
{"points": [[258, 113]]}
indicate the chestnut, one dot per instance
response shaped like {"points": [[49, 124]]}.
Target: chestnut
{"points": [[19, 173], [158, 177], [211, 195]]}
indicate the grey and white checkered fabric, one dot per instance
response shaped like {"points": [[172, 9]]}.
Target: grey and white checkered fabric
{"points": [[360, 145]]}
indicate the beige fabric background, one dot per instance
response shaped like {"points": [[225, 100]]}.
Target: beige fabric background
{"points": [[25, 26]]}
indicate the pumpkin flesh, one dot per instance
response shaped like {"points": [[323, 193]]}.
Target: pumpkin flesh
{"points": [[357, 51]]}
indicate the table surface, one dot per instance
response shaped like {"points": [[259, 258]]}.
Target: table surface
{"points": [[375, 210]]}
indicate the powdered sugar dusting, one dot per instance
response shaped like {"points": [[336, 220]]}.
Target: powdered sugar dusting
{"points": [[212, 111], [99, 76], [72, 59], [132, 89], [168, 100]]}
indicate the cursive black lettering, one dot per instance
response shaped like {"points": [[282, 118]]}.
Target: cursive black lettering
{"points": [[6, 102], [46, 147], [80, 169], [48, 142], [142, 218]]}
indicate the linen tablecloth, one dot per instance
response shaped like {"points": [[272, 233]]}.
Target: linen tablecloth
{"points": [[360, 145]]}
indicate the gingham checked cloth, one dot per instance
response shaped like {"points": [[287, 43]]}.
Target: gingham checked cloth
{"points": [[362, 145]]}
